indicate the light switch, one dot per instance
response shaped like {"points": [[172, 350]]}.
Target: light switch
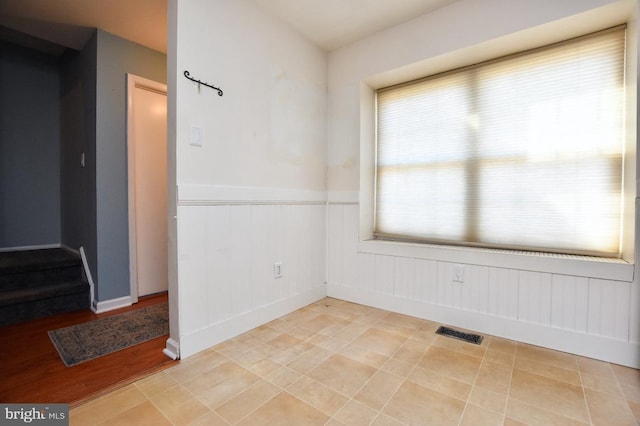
{"points": [[195, 136]]}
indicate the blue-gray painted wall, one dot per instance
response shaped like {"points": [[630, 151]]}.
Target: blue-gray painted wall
{"points": [[115, 58], [29, 148], [78, 135], [55, 110]]}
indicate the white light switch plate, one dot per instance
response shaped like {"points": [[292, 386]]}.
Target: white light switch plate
{"points": [[195, 136]]}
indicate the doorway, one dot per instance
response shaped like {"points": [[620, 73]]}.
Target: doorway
{"points": [[147, 181]]}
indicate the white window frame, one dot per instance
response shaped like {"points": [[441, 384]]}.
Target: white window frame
{"points": [[603, 268]]}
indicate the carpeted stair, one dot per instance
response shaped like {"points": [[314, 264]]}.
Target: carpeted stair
{"points": [[39, 283]]}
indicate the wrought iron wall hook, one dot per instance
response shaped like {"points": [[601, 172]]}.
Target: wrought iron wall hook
{"points": [[186, 74]]}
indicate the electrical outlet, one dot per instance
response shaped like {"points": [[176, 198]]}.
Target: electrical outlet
{"points": [[458, 273], [277, 270]]}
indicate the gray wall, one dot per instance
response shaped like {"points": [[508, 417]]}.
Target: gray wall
{"points": [[29, 148], [115, 58], [78, 135], [52, 111]]}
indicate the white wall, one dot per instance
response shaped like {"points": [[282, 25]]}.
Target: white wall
{"points": [[268, 130], [567, 303], [254, 193], [594, 317]]}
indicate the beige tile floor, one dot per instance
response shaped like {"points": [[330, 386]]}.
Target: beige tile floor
{"points": [[339, 363]]}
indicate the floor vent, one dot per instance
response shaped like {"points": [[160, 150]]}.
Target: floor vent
{"points": [[467, 337]]}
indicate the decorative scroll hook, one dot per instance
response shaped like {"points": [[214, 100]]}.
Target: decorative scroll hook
{"points": [[186, 74]]}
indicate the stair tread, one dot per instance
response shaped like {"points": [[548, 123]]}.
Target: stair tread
{"points": [[19, 261], [37, 283], [43, 291]]}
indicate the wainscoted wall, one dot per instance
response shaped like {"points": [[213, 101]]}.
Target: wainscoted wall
{"points": [[227, 252], [588, 316], [254, 193], [299, 121]]}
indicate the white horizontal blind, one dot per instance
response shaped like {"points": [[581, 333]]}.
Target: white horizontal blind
{"points": [[521, 152]]}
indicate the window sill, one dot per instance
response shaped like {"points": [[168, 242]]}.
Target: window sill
{"points": [[581, 266]]}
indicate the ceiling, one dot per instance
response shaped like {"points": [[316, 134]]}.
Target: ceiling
{"points": [[69, 23], [329, 24]]}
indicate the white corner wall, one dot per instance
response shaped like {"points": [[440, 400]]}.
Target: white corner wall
{"points": [[591, 309], [254, 193]]}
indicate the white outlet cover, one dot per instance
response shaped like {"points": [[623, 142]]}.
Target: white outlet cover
{"points": [[277, 270], [458, 273]]}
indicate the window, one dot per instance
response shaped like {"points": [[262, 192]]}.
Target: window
{"points": [[522, 152]]}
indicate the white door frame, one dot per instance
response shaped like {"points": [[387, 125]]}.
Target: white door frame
{"points": [[134, 81]]}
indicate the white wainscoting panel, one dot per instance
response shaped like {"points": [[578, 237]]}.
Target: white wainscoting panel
{"points": [[449, 293], [426, 281], [350, 245], [609, 303], [503, 292], [569, 302], [336, 244], [534, 295], [404, 278], [227, 251], [239, 248], [192, 268], [634, 313], [589, 316], [367, 272], [475, 289], [384, 274], [226, 255]]}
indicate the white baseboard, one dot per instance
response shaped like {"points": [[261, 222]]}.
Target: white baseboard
{"points": [[64, 246], [87, 271], [172, 349], [24, 248], [110, 305], [207, 337], [592, 346]]}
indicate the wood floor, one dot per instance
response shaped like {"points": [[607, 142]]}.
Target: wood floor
{"points": [[32, 372]]}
